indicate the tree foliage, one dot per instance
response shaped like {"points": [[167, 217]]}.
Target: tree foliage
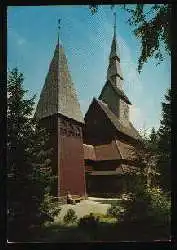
{"points": [[151, 27], [164, 143], [28, 160], [146, 160], [157, 148]]}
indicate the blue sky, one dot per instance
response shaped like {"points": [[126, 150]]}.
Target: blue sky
{"points": [[32, 37]]}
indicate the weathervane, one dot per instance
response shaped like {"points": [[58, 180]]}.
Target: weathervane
{"points": [[115, 23], [59, 27]]}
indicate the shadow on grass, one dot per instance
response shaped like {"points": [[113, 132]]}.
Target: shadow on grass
{"points": [[104, 231]]}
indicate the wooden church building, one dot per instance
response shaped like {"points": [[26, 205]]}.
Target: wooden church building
{"points": [[91, 155]]}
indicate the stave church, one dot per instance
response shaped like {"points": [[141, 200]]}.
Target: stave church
{"points": [[95, 154]]}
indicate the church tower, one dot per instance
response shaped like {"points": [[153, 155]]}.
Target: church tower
{"points": [[110, 140], [112, 93], [107, 118], [59, 112]]}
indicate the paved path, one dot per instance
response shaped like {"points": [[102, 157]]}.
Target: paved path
{"points": [[83, 208]]}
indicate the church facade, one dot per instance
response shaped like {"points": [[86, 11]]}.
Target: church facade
{"points": [[92, 154]]}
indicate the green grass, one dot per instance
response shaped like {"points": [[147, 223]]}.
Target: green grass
{"points": [[107, 230]]}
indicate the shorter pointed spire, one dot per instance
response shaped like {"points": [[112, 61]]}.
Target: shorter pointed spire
{"points": [[114, 73]]}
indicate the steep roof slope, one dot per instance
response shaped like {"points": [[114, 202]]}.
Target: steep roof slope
{"points": [[128, 130], [58, 95]]}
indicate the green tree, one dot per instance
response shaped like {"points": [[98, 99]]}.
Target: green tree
{"points": [[28, 168], [151, 25], [164, 143], [146, 157]]}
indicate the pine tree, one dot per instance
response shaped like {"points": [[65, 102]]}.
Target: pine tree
{"points": [[153, 147], [29, 172], [164, 143]]}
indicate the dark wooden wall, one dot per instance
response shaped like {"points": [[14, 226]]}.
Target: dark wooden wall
{"points": [[104, 184], [98, 130], [68, 156], [71, 166]]}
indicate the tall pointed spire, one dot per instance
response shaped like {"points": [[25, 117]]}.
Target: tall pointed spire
{"points": [[114, 73], [58, 95]]}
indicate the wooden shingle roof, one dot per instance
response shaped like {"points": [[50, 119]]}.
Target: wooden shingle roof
{"points": [[58, 95], [127, 151], [127, 130], [120, 93], [102, 152], [116, 150], [107, 152]]}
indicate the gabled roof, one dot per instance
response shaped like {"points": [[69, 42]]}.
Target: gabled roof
{"points": [[119, 92], [127, 151], [58, 95], [101, 152], [127, 130], [116, 150], [107, 152]]}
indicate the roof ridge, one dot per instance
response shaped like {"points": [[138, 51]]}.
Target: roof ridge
{"points": [[120, 155], [119, 126], [118, 149]]}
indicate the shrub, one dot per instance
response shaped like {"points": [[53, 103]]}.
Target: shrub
{"points": [[89, 221], [161, 205], [70, 216], [114, 211], [50, 207], [148, 205], [136, 209]]}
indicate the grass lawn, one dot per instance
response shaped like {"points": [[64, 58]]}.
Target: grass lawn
{"points": [[108, 229]]}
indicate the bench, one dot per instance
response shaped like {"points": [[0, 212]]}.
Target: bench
{"points": [[77, 198], [63, 199]]}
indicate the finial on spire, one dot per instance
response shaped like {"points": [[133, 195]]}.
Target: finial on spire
{"points": [[59, 20], [114, 23]]}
